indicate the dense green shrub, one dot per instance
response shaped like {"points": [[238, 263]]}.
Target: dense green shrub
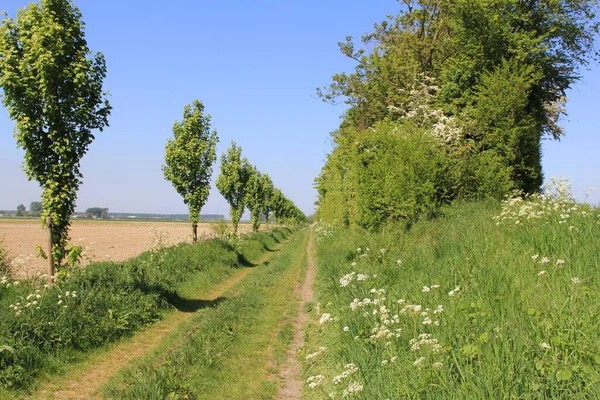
{"points": [[392, 172]]}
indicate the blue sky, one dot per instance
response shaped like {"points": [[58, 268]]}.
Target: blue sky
{"points": [[256, 66]]}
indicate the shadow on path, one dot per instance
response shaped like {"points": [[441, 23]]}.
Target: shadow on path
{"points": [[193, 305]]}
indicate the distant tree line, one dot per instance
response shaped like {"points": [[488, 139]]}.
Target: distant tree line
{"points": [[97, 212]]}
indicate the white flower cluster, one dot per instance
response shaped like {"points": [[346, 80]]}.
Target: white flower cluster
{"points": [[349, 369], [348, 278], [325, 318], [314, 381], [427, 289], [353, 388], [321, 350], [7, 282], [323, 230], [547, 260], [555, 202], [424, 339]]}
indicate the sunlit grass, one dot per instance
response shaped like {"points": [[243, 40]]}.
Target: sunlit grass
{"points": [[467, 306]]}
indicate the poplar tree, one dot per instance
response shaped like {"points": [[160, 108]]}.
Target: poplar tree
{"points": [[232, 181], [255, 197], [189, 157], [52, 86]]}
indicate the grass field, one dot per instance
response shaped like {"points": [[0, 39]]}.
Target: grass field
{"points": [[102, 240]]}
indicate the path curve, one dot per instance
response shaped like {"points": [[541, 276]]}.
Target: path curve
{"points": [[290, 375]]}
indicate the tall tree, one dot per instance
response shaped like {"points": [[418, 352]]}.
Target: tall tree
{"points": [[52, 87], [486, 77], [35, 208], [21, 210], [255, 197], [189, 158], [267, 186], [232, 181]]}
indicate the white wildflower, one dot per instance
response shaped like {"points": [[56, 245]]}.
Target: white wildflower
{"points": [[353, 388], [325, 318], [418, 362]]}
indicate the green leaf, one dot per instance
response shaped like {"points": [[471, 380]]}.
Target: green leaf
{"points": [[563, 375]]}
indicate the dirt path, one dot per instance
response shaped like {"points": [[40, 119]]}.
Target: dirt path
{"points": [[292, 384], [85, 382]]}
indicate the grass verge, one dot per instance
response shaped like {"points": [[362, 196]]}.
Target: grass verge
{"points": [[467, 306], [47, 328]]}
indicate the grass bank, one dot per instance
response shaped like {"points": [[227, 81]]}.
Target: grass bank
{"points": [[489, 301], [46, 329]]}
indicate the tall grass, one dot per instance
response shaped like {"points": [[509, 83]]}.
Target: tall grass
{"points": [[490, 301], [50, 326]]}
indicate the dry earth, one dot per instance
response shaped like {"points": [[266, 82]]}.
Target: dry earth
{"points": [[102, 240]]}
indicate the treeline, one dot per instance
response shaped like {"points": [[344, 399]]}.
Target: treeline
{"points": [[244, 186], [55, 127], [451, 101], [189, 158]]}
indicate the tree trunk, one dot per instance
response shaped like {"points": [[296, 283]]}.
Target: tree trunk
{"points": [[50, 246], [194, 232]]}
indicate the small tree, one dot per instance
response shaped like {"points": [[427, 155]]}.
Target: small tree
{"points": [[255, 197], [232, 181], [21, 210], [52, 87], [35, 208], [189, 157]]}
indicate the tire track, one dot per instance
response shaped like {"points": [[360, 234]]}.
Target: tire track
{"points": [[289, 375]]}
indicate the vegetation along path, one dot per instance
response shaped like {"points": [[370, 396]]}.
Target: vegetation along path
{"points": [[84, 382], [290, 375], [242, 345]]}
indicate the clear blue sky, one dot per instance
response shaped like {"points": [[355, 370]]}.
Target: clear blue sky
{"points": [[255, 65]]}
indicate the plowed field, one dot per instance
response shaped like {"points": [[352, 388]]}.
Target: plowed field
{"points": [[102, 240]]}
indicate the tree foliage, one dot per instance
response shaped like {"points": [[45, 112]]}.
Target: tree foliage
{"points": [[255, 199], [97, 212], [485, 78], [267, 188], [21, 210], [189, 158], [232, 181], [52, 87], [35, 208]]}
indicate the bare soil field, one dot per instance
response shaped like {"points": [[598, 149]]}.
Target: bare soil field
{"points": [[101, 240]]}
